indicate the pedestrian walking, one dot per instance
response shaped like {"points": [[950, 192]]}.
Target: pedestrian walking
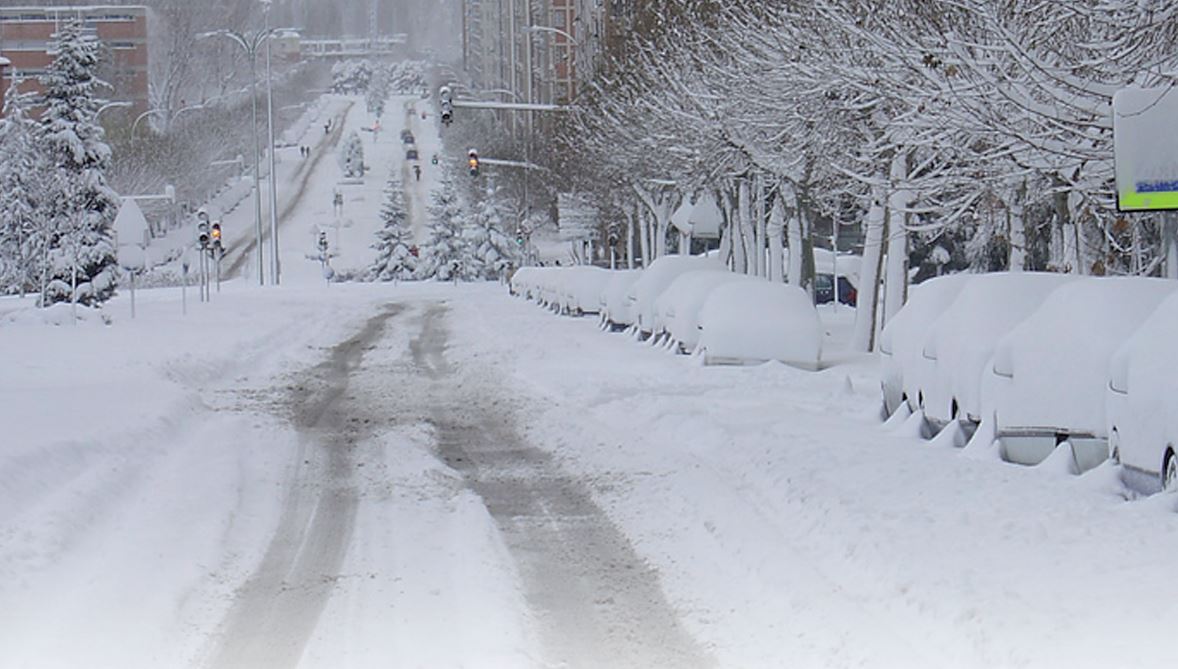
{"points": [[417, 172]]}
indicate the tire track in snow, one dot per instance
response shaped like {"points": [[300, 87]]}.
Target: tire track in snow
{"points": [[597, 604], [275, 612]]}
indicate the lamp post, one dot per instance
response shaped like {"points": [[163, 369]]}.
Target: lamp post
{"points": [[250, 42], [110, 105], [572, 48], [275, 267]]}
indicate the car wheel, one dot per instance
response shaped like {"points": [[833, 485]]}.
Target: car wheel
{"points": [[1170, 473], [1114, 446]]}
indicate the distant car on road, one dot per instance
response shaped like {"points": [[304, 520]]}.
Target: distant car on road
{"points": [[411, 154], [407, 137]]}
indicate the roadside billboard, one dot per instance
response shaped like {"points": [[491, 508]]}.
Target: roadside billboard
{"points": [[1145, 148]]}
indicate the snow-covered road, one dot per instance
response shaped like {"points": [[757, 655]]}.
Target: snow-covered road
{"points": [[440, 476]]}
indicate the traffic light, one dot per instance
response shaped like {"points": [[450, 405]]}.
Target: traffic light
{"points": [[446, 104], [216, 235], [472, 159], [202, 228]]}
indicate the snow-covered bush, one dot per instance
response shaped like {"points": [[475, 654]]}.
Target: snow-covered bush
{"points": [[351, 156]]}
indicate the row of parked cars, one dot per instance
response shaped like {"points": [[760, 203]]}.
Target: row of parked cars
{"points": [[692, 304], [1049, 361]]}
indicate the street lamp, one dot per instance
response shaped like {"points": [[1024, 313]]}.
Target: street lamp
{"points": [[250, 42], [572, 49], [109, 105]]}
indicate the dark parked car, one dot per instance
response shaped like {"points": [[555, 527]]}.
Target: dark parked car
{"points": [[407, 137], [411, 154], [824, 290]]}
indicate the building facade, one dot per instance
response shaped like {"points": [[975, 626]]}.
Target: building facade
{"points": [[536, 50], [28, 36]]}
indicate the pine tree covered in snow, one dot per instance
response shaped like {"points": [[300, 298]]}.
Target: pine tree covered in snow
{"points": [[80, 208], [351, 156], [493, 249], [394, 261], [378, 91], [22, 243], [447, 254]]}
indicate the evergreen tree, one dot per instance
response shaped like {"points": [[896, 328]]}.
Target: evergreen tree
{"points": [[447, 255], [80, 207], [493, 249], [22, 242], [378, 91], [394, 261], [351, 156]]}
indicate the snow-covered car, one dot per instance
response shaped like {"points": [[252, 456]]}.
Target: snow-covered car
{"points": [[579, 289], [615, 305], [522, 281], [948, 376], [756, 321], [655, 279], [1049, 376], [902, 340], [1142, 403], [677, 308]]}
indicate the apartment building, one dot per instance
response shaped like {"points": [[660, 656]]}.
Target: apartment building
{"points": [[538, 50], [27, 39]]}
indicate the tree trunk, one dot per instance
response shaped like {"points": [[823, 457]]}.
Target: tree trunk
{"points": [[863, 336], [739, 259], [1016, 215], [776, 230], [629, 237], [760, 235], [896, 281], [644, 233], [794, 241], [746, 226]]}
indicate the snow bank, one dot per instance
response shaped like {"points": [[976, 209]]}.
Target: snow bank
{"points": [[902, 338], [963, 338], [656, 278], [758, 321], [1050, 374]]}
